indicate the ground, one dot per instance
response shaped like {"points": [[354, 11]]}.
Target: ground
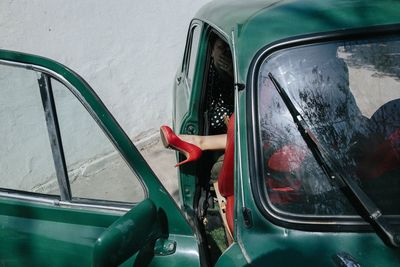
{"points": [[162, 161]]}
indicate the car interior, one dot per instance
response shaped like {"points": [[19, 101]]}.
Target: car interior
{"points": [[216, 191]]}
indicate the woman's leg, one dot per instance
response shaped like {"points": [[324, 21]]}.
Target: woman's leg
{"points": [[206, 142]]}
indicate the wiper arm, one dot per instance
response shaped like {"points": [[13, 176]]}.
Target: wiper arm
{"points": [[329, 164]]}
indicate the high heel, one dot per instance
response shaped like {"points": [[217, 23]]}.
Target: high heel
{"points": [[170, 140]]}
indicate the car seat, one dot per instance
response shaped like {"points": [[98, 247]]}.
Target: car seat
{"points": [[226, 175]]}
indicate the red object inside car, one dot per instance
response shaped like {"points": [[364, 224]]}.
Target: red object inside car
{"points": [[286, 159], [226, 175], [282, 185]]}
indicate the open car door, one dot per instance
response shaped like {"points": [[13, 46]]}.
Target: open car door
{"points": [[74, 190]]}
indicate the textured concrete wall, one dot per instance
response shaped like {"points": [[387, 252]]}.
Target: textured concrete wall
{"points": [[25, 152], [127, 50]]}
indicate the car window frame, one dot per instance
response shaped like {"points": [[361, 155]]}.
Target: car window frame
{"points": [[190, 66], [195, 25], [305, 222], [65, 198]]}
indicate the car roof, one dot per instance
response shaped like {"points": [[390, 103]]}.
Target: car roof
{"points": [[258, 23]]}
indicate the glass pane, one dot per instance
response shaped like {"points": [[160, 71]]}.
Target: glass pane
{"points": [[193, 54], [95, 168], [26, 158], [349, 93]]}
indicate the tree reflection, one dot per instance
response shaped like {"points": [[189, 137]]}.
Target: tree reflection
{"points": [[382, 58], [317, 81]]}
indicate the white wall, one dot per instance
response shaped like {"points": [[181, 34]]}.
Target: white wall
{"points": [[127, 50], [25, 152]]}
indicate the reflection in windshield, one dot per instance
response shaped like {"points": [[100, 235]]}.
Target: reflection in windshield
{"points": [[337, 88]]}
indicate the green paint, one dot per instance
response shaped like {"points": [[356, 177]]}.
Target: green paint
{"points": [[37, 234]]}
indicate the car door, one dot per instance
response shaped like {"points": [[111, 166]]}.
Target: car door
{"points": [[74, 190], [185, 82]]}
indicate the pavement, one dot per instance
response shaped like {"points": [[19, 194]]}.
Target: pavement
{"points": [[110, 177], [162, 161]]}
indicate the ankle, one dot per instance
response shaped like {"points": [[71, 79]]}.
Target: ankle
{"points": [[193, 139]]}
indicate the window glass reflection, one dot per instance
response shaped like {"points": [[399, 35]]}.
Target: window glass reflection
{"points": [[349, 93]]}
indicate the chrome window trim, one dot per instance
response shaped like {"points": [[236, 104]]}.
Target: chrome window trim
{"points": [[94, 206], [54, 201], [53, 129], [39, 199], [238, 147]]}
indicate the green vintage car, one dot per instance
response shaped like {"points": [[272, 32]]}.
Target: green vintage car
{"points": [[311, 172]]}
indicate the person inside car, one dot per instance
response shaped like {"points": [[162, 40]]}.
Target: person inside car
{"points": [[220, 98]]}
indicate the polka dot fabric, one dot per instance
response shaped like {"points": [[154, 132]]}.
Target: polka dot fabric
{"points": [[219, 110]]}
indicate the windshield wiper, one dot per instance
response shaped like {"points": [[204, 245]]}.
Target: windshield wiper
{"points": [[329, 164]]}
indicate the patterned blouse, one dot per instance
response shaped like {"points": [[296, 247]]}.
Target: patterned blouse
{"points": [[220, 101]]}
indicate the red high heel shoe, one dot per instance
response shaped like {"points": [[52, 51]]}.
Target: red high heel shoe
{"points": [[170, 140]]}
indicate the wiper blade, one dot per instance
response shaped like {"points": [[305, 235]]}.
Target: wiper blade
{"points": [[329, 164]]}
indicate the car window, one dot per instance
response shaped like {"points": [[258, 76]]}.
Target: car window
{"points": [[26, 157], [95, 168], [192, 54], [34, 159], [349, 94]]}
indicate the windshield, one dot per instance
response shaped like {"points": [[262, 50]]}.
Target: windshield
{"points": [[349, 94]]}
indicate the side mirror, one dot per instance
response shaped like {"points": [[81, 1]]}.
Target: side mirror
{"points": [[286, 159], [127, 235]]}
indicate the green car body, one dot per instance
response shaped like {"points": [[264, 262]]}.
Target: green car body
{"points": [[63, 230]]}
